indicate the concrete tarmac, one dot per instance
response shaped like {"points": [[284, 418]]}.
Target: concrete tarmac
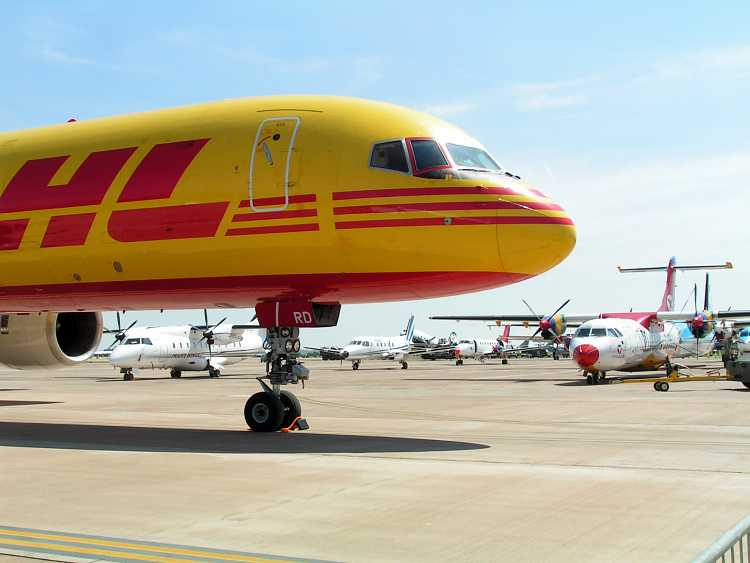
{"points": [[523, 462]]}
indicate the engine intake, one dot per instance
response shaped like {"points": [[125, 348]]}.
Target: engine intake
{"points": [[48, 339]]}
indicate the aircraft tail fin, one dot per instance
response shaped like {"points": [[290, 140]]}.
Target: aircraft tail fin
{"points": [[409, 329], [667, 300], [506, 334]]}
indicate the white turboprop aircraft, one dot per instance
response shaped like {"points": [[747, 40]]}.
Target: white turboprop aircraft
{"points": [[185, 348], [632, 341], [394, 348]]}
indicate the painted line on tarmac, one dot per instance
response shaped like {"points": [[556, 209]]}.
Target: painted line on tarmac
{"points": [[101, 548]]}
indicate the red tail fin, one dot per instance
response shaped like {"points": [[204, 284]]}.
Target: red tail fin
{"points": [[506, 334], [667, 300]]}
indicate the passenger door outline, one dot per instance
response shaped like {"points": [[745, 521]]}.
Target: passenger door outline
{"points": [[271, 127]]}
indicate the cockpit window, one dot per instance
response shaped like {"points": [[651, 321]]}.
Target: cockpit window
{"points": [[146, 341], [598, 332], [611, 332], [389, 155], [132, 341], [472, 157], [427, 154], [582, 332]]}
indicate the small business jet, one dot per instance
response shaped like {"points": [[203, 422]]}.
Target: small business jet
{"points": [[184, 348], [632, 341], [393, 348]]}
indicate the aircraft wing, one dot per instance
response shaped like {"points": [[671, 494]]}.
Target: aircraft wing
{"points": [[512, 318], [688, 316]]}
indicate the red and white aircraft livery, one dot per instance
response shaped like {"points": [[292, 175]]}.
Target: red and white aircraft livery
{"points": [[631, 341]]}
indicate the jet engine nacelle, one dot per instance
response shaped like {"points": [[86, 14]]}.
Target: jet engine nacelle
{"points": [[48, 339]]}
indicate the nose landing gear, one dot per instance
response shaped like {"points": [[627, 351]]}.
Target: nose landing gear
{"points": [[596, 378], [272, 409]]}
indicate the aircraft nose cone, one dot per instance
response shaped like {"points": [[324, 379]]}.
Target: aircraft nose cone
{"points": [[537, 236], [586, 355]]}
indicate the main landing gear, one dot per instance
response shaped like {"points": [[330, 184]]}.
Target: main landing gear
{"points": [[273, 409], [175, 373], [213, 372], [127, 374], [404, 365], [355, 365], [596, 378]]}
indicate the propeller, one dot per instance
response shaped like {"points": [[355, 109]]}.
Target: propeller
{"points": [[548, 325], [208, 332], [119, 333]]}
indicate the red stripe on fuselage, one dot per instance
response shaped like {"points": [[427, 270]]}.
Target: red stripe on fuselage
{"points": [[269, 201], [407, 192], [11, 233], [68, 230], [160, 170], [241, 291], [444, 206], [167, 223], [274, 229], [440, 221], [266, 215]]}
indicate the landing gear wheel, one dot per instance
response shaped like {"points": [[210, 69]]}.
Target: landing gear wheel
{"points": [[459, 362], [595, 379], [264, 412], [589, 380], [504, 361], [664, 387], [355, 365], [292, 408], [175, 373], [128, 376], [657, 386], [404, 365], [213, 372]]}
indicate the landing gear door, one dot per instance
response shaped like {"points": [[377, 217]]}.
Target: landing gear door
{"points": [[271, 161]]}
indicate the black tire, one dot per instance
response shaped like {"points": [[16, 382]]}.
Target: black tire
{"points": [[657, 386], [355, 365], [664, 386], [504, 361], [404, 365], [292, 408], [459, 362], [589, 379], [264, 412], [175, 374], [128, 376]]}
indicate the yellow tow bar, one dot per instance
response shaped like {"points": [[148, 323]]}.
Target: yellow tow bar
{"points": [[662, 383]]}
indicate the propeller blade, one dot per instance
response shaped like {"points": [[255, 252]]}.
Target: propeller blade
{"points": [[532, 310], [560, 308], [119, 327], [205, 317]]}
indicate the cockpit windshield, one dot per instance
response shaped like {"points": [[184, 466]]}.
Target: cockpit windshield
{"points": [[131, 341], [472, 157]]}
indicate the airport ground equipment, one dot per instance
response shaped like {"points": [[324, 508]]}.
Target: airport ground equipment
{"points": [[733, 545], [674, 376]]}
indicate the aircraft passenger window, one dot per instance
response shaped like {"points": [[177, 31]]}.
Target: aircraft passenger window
{"points": [[598, 332], [582, 332], [173, 345], [427, 154], [611, 332], [471, 157], [390, 156]]}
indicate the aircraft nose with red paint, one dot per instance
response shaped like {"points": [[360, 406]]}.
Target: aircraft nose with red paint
{"points": [[586, 356]]}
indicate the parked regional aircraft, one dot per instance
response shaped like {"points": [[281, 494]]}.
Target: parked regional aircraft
{"points": [[632, 341], [185, 348], [291, 204], [393, 348]]}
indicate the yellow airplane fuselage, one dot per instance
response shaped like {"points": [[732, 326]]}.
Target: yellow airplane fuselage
{"points": [[261, 199]]}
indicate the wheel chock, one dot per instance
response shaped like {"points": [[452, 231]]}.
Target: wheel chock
{"points": [[298, 423]]}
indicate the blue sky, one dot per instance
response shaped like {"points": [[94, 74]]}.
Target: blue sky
{"points": [[635, 117]]}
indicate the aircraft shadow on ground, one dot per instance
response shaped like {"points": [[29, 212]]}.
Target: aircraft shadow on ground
{"points": [[146, 439], [27, 403], [184, 377]]}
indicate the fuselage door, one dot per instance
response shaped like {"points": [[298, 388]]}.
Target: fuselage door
{"points": [[271, 161]]}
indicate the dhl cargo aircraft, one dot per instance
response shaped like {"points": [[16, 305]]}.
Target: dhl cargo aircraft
{"points": [[292, 204]]}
